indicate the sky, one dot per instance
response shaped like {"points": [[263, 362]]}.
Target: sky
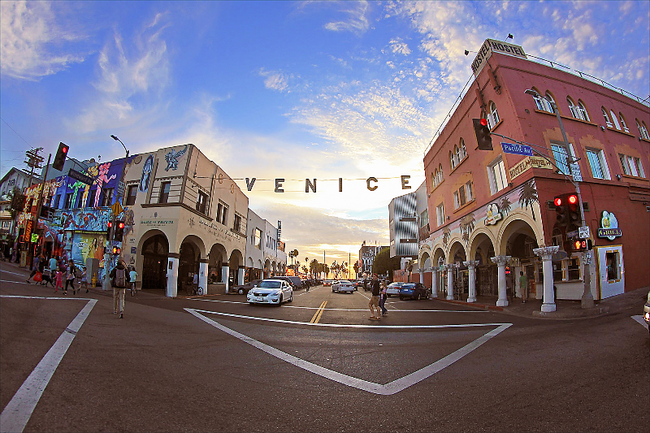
{"points": [[292, 90]]}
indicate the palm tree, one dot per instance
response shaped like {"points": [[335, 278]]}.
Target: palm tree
{"points": [[528, 196]]}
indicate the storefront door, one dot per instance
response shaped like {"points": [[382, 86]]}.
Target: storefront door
{"points": [[611, 271]]}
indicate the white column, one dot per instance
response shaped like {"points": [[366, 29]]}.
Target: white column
{"points": [[203, 276], [546, 253], [421, 276], [450, 281], [240, 275], [434, 283], [471, 266], [172, 276], [501, 262], [225, 276]]}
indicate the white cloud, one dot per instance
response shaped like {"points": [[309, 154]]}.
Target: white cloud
{"points": [[357, 21], [33, 40], [274, 80], [399, 47]]}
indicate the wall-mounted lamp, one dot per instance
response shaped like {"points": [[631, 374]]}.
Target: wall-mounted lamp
{"points": [[618, 176], [602, 127]]}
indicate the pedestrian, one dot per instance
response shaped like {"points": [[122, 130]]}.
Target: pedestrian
{"points": [[35, 267], [84, 278], [54, 264], [523, 286], [382, 298], [58, 276], [119, 280], [374, 299], [133, 275], [70, 276]]}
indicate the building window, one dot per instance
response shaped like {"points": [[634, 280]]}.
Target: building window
{"points": [[643, 130], [584, 114], [631, 166], [68, 201], [107, 197], [615, 120], [201, 201], [164, 192], [493, 117], [57, 199], [424, 218], [440, 214], [130, 195], [222, 213], [469, 191], [623, 123], [541, 103], [598, 163], [578, 111], [237, 223], [258, 238], [497, 176], [560, 154], [607, 121], [453, 157], [463, 195]]}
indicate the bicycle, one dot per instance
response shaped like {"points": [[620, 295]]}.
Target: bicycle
{"points": [[133, 289], [193, 291]]}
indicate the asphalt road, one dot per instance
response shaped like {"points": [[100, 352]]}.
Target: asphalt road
{"points": [[316, 364]]}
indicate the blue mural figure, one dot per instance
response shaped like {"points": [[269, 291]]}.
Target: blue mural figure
{"points": [[172, 158], [146, 174]]}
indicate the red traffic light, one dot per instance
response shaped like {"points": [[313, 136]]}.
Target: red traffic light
{"points": [[558, 201], [116, 250], [120, 225], [110, 224], [573, 199], [484, 122]]}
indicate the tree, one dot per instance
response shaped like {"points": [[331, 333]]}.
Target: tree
{"points": [[383, 263]]}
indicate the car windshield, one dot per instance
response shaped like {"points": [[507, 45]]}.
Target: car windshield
{"points": [[270, 284]]}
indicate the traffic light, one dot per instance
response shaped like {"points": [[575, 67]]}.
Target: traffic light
{"points": [[574, 210], [117, 251], [119, 231], [61, 153], [580, 245], [566, 210], [108, 230], [482, 131]]}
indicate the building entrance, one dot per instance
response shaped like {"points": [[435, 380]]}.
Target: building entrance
{"points": [[154, 265]]}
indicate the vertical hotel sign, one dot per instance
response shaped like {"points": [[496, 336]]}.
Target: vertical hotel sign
{"points": [[492, 46]]}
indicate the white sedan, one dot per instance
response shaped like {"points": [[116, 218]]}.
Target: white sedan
{"points": [[343, 286], [273, 292], [393, 289]]}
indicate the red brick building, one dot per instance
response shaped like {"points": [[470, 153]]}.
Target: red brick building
{"points": [[491, 213]]}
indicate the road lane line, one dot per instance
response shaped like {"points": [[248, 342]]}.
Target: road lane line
{"points": [[18, 411], [639, 319], [318, 313], [388, 389]]}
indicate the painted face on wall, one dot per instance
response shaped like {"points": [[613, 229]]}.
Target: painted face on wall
{"points": [[146, 174]]}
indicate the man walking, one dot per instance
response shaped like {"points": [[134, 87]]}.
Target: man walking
{"points": [[523, 286], [119, 281], [374, 299]]}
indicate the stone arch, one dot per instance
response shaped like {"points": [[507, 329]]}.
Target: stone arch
{"points": [[191, 251], [456, 252], [154, 249], [482, 246], [515, 223], [216, 258]]}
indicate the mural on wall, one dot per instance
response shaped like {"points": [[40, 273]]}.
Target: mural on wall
{"points": [[102, 178], [494, 214], [467, 227], [146, 174], [172, 158], [528, 196]]}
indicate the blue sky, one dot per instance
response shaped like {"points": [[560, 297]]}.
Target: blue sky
{"points": [[284, 89]]}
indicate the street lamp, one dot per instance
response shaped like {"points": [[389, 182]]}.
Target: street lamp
{"points": [[587, 300]]}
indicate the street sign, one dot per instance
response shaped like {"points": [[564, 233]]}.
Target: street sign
{"points": [[583, 232], [80, 177], [517, 149], [572, 234], [117, 208], [575, 172]]}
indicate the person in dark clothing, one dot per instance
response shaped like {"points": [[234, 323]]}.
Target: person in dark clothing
{"points": [[119, 281], [374, 299]]}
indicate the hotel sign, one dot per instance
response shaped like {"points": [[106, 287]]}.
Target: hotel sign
{"points": [[527, 163], [493, 46]]}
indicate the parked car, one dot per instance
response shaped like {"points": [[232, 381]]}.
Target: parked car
{"points": [[243, 289], [413, 291], [270, 291], [343, 286], [295, 282], [393, 289], [646, 312], [328, 282]]}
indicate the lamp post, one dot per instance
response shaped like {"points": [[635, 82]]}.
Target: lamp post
{"points": [[587, 300], [106, 284]]}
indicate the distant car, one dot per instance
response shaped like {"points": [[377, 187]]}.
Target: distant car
{"points": [[646, 312], [295, 282], [244, 288], [393, 289], [328, 282], [270, 291], [343, 286], [413, 291]]}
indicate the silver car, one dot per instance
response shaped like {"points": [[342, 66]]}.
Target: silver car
{"points": [[273, 292], [343, 286], [393, 289]]}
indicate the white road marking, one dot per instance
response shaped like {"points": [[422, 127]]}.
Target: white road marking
{"points": [[639, 318], [388, 389], [17, 412]]}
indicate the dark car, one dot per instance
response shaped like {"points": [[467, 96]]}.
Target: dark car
{"points": [[413, 291], [244, 288], [295, 282]]}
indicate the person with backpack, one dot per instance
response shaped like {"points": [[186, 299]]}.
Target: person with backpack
{"points": [[70, 276], [119, 281]]}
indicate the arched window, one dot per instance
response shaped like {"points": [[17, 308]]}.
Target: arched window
{"points": [[615, 120], [607, 121], [584, 115], [550, 101], [540, 103], [440, 173], [463, 149], [623, 123], [573, 108], [452, 159], [643, 129], [459, 156], [493, 118]]}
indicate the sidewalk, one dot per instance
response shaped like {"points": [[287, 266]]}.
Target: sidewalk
{"points": [[564, 309]]}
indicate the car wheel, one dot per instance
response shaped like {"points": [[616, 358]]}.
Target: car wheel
{"points": [[281, 299], [417, 297], [291, 298], [240, 291], [401, 298]]}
